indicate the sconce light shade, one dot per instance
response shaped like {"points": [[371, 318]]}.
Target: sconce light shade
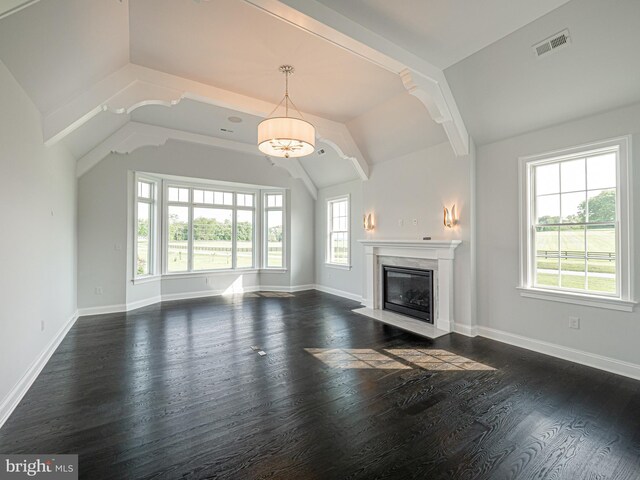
{"points": [[450, 217], [368, 223]]}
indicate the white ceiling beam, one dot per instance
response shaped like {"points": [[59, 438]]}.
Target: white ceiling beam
{"points": [[134, 86], [9, 7], [422, 79], [134, 135]]}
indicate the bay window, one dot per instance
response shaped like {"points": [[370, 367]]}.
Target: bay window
{"points": [[194, 228], [274, 230], [144, 227], [208, 229]]}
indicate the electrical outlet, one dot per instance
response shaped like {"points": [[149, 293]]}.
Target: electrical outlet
{"points": [[415, 221], [98, 290], [574, 322], [117, 247], [42, 325], [206, 280], [400, 222]]}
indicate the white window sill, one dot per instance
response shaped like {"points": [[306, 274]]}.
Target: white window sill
{"points": [[205, 273], [578, 299], [338, 266], [146, 279], [208, 273]]}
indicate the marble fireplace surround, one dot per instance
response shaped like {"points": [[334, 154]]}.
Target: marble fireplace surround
{"points": [[436, 255]]}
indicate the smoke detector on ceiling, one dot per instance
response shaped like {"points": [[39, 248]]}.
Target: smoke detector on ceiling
{"points": [[552, 44]]}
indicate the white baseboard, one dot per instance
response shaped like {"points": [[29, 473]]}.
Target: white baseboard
{"points": [[294, 288], [167, 297], [339, 293], [13, 398], [101, 310], [143, 303], [186, 296], [468, 330], [600, 362]]}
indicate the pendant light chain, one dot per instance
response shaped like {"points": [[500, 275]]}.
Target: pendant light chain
{"points": [[286, 93]]}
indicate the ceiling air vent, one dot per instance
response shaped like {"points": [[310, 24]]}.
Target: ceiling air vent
{"points": [[552, 43]]}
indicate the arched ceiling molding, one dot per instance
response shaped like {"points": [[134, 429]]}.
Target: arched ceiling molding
{"points": [[361, 169], [422, 79], [136, 135], [134, 86]]}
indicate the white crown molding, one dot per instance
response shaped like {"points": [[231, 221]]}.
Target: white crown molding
{"points": [[134, 135], [422, 79], [135, 86]]}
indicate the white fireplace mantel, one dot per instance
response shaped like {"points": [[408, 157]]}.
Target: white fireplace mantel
{"points": [[441, 251]]}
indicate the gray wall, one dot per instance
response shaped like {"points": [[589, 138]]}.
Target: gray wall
{"points": [[415, 186], [351, 281], [500, 306], [104, 222], [38, 247]]}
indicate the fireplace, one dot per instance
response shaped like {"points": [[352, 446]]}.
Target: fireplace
{"points": [[408, 291]]}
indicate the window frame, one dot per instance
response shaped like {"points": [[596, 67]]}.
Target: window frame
{"points": [[153, 225], [622, 300], [191, 204], [329, 203], [265, 230]]}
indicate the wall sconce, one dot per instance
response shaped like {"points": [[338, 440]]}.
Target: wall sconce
{"points": [[450, 217], [368, 223]]}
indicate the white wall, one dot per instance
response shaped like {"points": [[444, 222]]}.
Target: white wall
{"points": [[602, 332], [38, 242], [414, 186], [104, 226], [347, 282]]}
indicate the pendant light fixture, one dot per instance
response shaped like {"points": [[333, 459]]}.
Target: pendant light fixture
{"points": [[286, 136]]}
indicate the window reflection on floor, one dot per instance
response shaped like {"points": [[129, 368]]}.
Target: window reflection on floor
{"points": [[395, 359]]}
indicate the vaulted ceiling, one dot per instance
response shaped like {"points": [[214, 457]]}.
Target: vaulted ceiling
{"points": [[379, 79]]}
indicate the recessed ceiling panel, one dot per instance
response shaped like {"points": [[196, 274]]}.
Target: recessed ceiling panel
{"points": [[238, 47], [204, 119]]}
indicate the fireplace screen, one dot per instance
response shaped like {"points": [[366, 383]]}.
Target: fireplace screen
{"points": [[409, 291]]}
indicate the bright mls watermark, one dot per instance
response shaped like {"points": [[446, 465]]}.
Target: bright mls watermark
{"points": [[51, 467]]}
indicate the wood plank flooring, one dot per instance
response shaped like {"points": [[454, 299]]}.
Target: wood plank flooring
{"points": [[175, 391]]}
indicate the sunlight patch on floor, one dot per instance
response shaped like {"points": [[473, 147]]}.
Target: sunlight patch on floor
{"points": [[433, 359], [355, 358], [367, 358]]}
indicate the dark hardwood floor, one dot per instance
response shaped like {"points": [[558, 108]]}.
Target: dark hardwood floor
{"points": [[175, 391]]}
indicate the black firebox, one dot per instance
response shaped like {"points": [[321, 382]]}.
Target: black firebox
{"points": [[409, 291]]}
